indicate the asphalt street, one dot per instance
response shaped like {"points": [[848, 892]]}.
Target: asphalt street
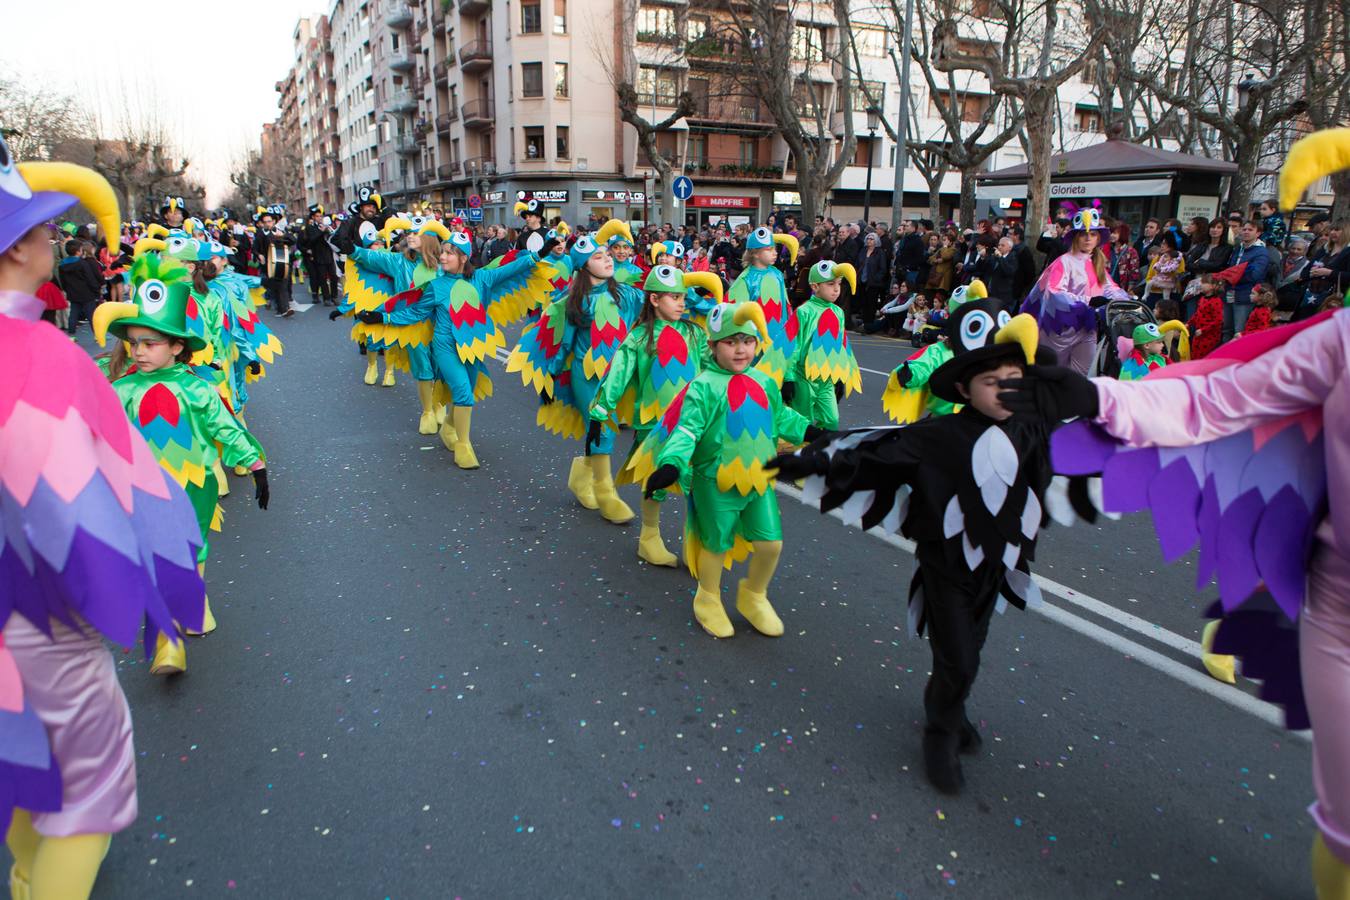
{"points": [[435, 683]]}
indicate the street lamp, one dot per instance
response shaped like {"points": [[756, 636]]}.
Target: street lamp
{"points": [[1244, 90], [873, 121]]}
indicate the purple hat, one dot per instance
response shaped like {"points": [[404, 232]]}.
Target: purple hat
{"points": [[33, 193]]}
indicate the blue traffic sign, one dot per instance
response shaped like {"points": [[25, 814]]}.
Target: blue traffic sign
{"points": [[682, 187], [475, 214], [462, 213]]}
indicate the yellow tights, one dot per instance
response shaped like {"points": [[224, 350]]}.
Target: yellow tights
{"points": [[54, 868]]}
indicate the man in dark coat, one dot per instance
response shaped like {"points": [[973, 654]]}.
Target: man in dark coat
{"points": [[318, 257]]}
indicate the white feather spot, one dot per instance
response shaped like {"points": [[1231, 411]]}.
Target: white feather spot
{"points": [[1057, 501], [1011, 554], [974, 555], [915, 611], [813, 489], [1031, 516], [953, 520], [994, 464], [856, 506], [896, 517], [1000, 606]]}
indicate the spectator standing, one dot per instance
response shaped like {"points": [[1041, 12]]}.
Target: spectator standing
{"points": [[849, 250], [1026, 263], [1331, 273], [1273, 230], [1124, 260], [909, 253], [941, 267], [998, 271], [81, 277], [1165, 270], [1052, 243], [874, 273], [1151, 237], [1211, 255], [1238, 303], [1292, 283]]}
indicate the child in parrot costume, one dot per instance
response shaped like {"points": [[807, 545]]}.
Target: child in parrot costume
{"points": [[698, 302], [1241, 451], [716, 440], [1142, 352], [823, 367], [762, 283], [99, 541], [652, 366], [464, 307], [254, 345], [971, 490], [181, 416], [616, 237], [566, 356], [365, 289], [907, 396]]}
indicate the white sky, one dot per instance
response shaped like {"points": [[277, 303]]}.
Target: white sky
{"points": [[208, 71]]}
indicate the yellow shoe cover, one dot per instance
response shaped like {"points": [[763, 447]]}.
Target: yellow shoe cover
{"points": [[222, 485], [442, 414], [372, 369], [1331, 877], [208, 622], [710, 614], [653, 549], [580, 483], [388, 376], [757, 611], [449, 437], [170, 657], [606, 497], [464, 455], [1219, 666], [427, 424], [18, 885], [241, 471]]}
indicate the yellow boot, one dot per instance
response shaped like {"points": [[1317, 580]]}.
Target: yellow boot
{"points": [[1331, 876], [710, 613], [18, 885], [650, 546], [222, 485], [208, 622], [752, 600], [388, 375], [442, 413], [426, 424], [464, 455], [372, 368], [1219, 666], [241, 471], [581, 484], [170, 656], [606, 497]]}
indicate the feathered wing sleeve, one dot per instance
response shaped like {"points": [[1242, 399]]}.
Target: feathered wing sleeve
{"points": [[619, 378], [238, 446], [513, 284], [865, 473], [539, 354]]}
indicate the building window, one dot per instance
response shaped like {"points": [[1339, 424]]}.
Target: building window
{"points": [[563, 150], [695, 28], [698, 149], [871, 42], [656, 24], [532, 79], [560, 16], [970, 107], [657, 86], [808, 43], [862, 156], [749, 152], [1089, 120], [534, 143], [560, 80], [875, 90], [530, 17]]}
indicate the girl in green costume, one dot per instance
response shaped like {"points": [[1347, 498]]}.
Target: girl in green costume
{"points": [[823, 366], [660, 356]]}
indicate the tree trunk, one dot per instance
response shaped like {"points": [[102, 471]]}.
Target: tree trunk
{"points": [[935, 200], [811, 196], [1240, 187], [1340, 206], [667, 195], [1038, 108], [968, 197]]}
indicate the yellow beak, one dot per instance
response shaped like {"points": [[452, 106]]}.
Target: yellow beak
{"points": [[394, 224], [1022, 330], [791, 243], [1309, 159], [705, 280], [611, 228], [976, 290], [1183, 336], [146, 244], [562, 228], [436, 228], [107, 313], [520, 205], [848, 273], [750, 312], [86, 186], [156, 230]]}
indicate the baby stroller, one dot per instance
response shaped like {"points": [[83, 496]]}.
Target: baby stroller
{"points": [[1120, 317]]}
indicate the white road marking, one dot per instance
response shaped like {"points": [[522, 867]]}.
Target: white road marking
{"points": [[1266, 712]]}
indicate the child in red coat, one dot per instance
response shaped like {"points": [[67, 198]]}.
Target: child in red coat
{"points": [[1206, 324], [1263, 315]]}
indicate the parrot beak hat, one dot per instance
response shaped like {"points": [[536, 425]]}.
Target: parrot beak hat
{"points": [[32, 193], [614, 228], [431, 226], [979, 333], [706, 281], [826, 271], [674, 248], [665, 280], [161, 294], [1311, 157], [729, 319]]}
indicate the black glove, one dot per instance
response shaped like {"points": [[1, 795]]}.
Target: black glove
{"points": [[812, 434], [333, 316], [593, 434], [255, 367], [260, 491], [371, 317], [789, 391], [792, 467], [215, 365], [838, 391], [1051, 392], [545, 398], [549, 244], [662, 478]]}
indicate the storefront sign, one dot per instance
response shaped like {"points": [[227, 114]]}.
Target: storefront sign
{"points": [[1082, 190], [787, 198], [543, 196], [1193, 206], [494, 197], [633, 197], [724, 202]]}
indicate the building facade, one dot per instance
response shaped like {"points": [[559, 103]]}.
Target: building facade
{"points": [[352, 28]]}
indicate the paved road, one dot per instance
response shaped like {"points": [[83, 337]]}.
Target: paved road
{"points": [[433, 683]]}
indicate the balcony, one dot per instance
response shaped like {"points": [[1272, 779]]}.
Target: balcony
{"points": [[733, 169], [480, 165], [479, 113], [442, 73], [739, 109], [475, 56], [406, 144], [644, 163], [426, 176], [399, 16], [403, 102], [400, 61], [473, 7], [437, 14], [444, 119], [447, 171]]}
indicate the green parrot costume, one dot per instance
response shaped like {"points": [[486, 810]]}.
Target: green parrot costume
{"points": [[823, 357], [907, 396]]}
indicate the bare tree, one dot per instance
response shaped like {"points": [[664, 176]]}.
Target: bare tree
{"points": [[38, 121], [1031, 78], [779, 57]]}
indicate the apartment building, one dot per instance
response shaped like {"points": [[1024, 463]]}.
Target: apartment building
{"points": [[352, 30], [318, 135]]}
